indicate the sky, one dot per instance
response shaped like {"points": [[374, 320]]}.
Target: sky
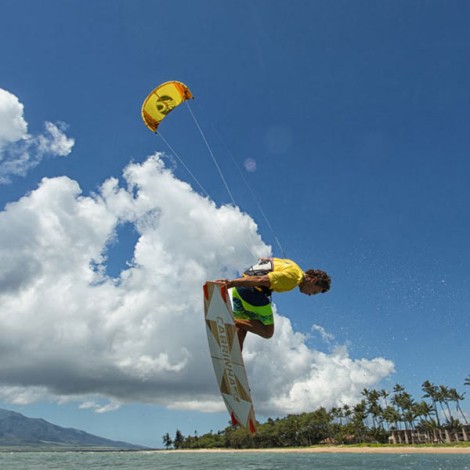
{"points": [[342, 132]]}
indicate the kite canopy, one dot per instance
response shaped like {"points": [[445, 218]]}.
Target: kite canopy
{"points": [[161, 101]]}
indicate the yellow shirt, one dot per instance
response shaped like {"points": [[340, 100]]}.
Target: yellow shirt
{"points": [[285, 276]]}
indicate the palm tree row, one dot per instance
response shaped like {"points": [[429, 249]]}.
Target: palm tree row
{"points": [[380, 416], [406, 419]]}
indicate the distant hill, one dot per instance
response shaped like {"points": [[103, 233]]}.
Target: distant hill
{"points": [[17, 430]]}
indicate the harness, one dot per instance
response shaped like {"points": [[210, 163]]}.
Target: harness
{"points": [[262, 268]]}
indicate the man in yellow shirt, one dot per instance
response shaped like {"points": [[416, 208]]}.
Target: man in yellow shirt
{"points": [[251, 293]]}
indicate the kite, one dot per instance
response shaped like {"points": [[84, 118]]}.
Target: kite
{"points": [[161, 101]]}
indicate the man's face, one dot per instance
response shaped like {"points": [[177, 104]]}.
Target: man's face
{"points": [[309, 287]]}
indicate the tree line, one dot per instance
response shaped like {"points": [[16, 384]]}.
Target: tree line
{"points": [[379, 417]]}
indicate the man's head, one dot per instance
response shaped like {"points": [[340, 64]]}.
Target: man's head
{"points": [[315, 282]]}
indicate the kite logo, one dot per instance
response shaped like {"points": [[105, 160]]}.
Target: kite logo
{"points": [[165, 104]]}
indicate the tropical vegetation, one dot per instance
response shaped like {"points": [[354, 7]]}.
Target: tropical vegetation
{"points": [[380, 417]]}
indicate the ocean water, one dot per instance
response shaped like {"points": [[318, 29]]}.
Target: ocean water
{"points": [[228, 460]]}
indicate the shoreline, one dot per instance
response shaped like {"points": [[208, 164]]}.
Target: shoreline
{"points": [[340, 450]]}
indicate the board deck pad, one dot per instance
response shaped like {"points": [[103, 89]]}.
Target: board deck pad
{"points": [[226, 355]]}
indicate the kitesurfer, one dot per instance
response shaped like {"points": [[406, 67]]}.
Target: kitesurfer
{"points": [[251, 293]]}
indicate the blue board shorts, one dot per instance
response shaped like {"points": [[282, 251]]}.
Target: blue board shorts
{"points": [[250, 303]]}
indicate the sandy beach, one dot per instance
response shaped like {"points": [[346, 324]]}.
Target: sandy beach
{"points": [[347, 449]]}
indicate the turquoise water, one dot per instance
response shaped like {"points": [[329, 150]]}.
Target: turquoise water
{"points": [[228, 460]]}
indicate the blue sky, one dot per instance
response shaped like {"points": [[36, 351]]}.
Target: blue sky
{"points": [[356, 116]]}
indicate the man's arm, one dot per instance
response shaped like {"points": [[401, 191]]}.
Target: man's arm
{"points": [[249, 281]]}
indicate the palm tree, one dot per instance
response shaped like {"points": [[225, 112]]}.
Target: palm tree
{"points": [[368, 403], [347, 412], [398, 388], [467, 381], [454, 396], [402, 400], [384, 394], [431, 391], [424, 410], [179, 439], [392, 417], [167, 441], [375, 409], [445, 396], [359, 416], [337, 412]]}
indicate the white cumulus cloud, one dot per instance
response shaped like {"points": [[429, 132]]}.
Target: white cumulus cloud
{"points": [[54, 141], [69, 331], [20, 151], [13, 127]]}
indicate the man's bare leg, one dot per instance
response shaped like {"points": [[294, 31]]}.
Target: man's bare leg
{"points": [[253, 326]]}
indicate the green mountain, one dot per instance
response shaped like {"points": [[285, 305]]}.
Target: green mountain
{"points": [[17, 430]]}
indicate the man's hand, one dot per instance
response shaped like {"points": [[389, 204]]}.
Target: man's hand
{"points": [[247, 281]]}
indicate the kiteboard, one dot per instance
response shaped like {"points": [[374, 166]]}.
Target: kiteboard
{"points": [[227, 356]]}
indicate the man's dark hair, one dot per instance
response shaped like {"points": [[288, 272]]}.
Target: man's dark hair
{"points": [[322, 279]]}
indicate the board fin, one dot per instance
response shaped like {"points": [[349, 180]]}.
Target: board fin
{"points": [[252, 427], [234, 420], [223, 293]]}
